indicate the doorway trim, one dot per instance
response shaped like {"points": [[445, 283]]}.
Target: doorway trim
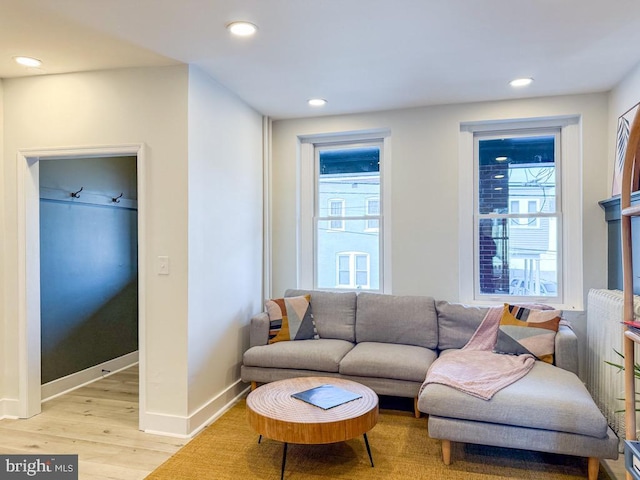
{"points": [[28, 196]]}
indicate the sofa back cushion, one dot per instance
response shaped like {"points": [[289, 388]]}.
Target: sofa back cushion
{"points": [[334, 313], [457, 323], [407, 320]]}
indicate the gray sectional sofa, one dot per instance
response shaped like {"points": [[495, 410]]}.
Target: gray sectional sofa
{"points": [[388, 342]]}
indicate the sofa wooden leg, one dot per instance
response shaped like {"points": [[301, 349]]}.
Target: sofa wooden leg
{"points": [[446, 452], [593, 468], [416, 412], [254, 385]]}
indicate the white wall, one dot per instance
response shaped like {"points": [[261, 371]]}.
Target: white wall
{"points": [[4, 340], [108, 108], [225, 239], [424, 246], [622, 98], [203, 197], [425, 185]]}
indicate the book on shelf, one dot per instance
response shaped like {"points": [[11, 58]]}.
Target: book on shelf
{"points": [[326, 396], [632, 326]]}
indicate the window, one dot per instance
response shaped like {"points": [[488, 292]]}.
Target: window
{"points": [[516, 172], [353, 270], [336, 209], [523, 205], [343, 200], [519, 212], [372, 209], [349, 172]]}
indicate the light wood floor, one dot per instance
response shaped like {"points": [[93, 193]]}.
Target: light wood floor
{"points": [[99, 422], [615, 468]]}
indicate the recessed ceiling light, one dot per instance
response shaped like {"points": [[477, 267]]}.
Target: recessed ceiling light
{"points": [[498, 189], [242, 29], [520, 82], [27, 61], [317, 102], [499, 176], [501, 159]]}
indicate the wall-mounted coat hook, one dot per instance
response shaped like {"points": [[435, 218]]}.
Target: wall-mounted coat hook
{"points": [[77, 194], [117, 199]]}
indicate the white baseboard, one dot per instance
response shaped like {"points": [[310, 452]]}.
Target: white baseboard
{"points": [[186, 427], [9, 408], [217, 406], [63, 385]]}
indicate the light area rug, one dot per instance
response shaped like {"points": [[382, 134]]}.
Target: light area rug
{"points": [[228, 449]]}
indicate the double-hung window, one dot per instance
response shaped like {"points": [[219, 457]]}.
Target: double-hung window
{"points": [[516, 187], [336, 209], [520, 218], [342, 200], [372, 208]]}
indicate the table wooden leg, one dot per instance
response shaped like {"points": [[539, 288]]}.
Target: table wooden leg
{"points": [[284, 460], [366, 442]]}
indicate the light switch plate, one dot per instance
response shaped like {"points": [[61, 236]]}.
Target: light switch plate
{"points": [[163, 265]]}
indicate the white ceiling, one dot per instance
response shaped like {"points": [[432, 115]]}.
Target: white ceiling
{"points": [[361, 55]]}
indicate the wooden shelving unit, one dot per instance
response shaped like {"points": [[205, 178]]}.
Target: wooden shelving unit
{"points": [[630, 174]]}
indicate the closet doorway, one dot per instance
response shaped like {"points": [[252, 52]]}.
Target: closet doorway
{"points": [[88, 270], [80, 290]]}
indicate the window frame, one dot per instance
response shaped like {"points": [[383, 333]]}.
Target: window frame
{"points": [[307, 192], [570, 262]]}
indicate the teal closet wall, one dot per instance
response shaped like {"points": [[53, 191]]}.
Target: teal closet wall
{"points": [[88, 263]]}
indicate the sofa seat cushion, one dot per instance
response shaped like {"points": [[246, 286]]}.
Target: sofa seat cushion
{"points": [[318, 355], [547, 398], [388, 360]]}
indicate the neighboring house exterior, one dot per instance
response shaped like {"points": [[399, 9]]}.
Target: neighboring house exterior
{"points": [[534, 239], [518, 228]]}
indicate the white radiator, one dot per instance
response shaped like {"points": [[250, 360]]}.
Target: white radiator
{"points": [[604, 335]]}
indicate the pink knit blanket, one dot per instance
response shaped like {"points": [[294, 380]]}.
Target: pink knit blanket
{"points": [[475, 369]]}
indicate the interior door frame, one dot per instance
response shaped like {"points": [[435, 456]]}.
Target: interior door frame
{"points": [[28, 196]]}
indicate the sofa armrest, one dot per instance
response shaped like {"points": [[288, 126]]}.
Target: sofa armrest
{"points": [[259, 330], [566, 354]]}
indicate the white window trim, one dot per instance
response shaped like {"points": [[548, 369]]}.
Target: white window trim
{"points": [[306, 193], [570, 257], [339, 218]]}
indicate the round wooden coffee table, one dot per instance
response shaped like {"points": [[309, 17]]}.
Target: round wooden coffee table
{"points": [[275, 414]]}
